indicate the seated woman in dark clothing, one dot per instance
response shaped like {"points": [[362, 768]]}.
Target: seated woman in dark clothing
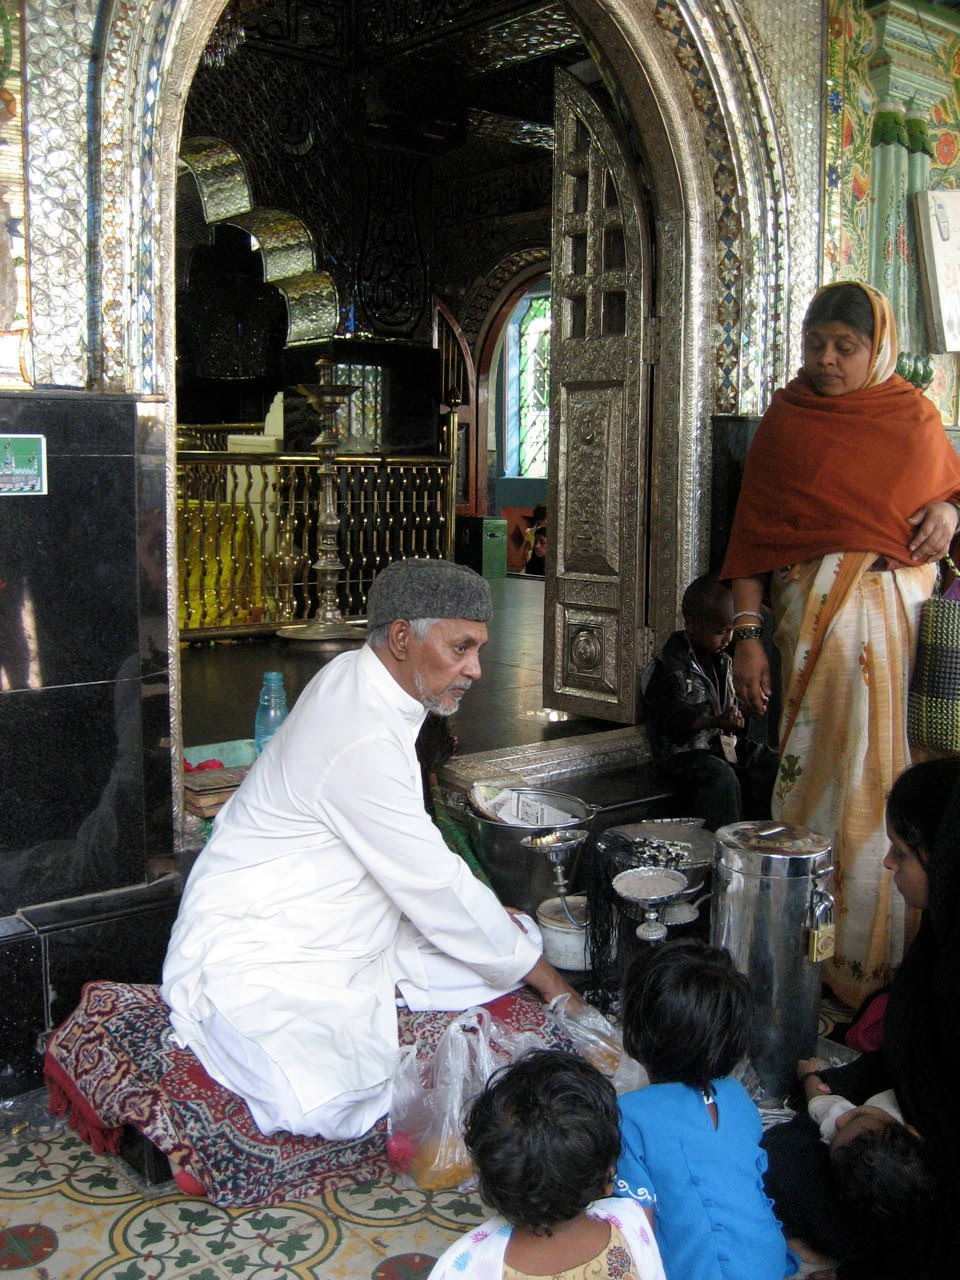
{"points": [[917, 1060]]}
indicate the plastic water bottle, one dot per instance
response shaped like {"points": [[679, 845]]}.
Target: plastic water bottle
{"points": [[271, 711]]}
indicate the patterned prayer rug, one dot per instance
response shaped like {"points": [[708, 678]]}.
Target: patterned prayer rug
{"points": [[114, 1062]]}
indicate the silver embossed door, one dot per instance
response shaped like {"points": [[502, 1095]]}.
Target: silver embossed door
{"points": [[594, 632]]}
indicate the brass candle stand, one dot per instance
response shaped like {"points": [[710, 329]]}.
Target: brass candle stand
{"points": [[327, 628]]}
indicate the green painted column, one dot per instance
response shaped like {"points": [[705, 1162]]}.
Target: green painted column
{"points": [[918, 179], [909, 74], [889, 172]]}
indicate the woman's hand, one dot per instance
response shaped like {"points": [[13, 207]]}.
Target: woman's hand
{"points": [[808, 1073], [751, 675], [935, 526]]}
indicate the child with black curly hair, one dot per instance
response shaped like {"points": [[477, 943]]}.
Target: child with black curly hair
{"points": [[691, 1138], [544, 1139]]}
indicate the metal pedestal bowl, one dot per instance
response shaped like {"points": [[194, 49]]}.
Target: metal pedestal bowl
{"points": [[642, 892]]}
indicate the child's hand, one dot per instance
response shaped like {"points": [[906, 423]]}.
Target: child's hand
{"points": [[731, 720]]}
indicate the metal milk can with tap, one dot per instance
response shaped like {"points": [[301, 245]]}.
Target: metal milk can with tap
{"points": [[773, 911]]}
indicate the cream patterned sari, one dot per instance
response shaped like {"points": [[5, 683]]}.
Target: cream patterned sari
{"points": [[847, 637]]}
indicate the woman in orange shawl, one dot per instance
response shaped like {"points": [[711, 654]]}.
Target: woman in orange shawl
{"points": [[847, 504]]}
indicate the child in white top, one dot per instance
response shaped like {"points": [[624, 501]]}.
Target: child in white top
{"points": [[544, 1137]]}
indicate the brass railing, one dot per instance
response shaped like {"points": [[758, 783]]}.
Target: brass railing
{"points": [[247, 532]]}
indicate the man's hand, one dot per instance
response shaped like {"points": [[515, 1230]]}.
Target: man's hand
{"points": [[545, 980], [515, 913], [543, 977]]}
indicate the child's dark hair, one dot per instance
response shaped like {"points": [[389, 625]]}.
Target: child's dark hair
{"points": [[544, 1136], [918, 801], [883, 1178], [686, 1012], [706, 597], [847, 303]]}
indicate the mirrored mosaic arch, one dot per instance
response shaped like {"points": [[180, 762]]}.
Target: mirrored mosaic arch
{"points": [[149, 52]]}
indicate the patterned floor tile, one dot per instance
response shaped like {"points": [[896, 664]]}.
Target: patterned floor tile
{"points": [[176, 1236], [54, 1238], [69, 1214], [65, 1166], [395, 1231]]}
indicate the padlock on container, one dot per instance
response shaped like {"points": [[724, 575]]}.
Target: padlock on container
{"points": [[821, 941]]}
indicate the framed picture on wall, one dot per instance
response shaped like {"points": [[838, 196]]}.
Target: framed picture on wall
{"points": [[938, 237]]}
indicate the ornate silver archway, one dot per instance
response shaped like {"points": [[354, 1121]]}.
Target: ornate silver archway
{"points": [[719, 142]]}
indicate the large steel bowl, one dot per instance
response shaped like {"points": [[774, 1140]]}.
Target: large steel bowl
{"points": [[522, 877]]}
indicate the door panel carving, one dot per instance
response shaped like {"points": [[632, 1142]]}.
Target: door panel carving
{"points": [[591, 425], [596, 596]]}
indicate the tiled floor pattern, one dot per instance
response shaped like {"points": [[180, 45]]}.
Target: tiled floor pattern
{"points": [[68, 1214]]}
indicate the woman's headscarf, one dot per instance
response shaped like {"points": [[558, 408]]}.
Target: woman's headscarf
{"points": [[884, 350]]}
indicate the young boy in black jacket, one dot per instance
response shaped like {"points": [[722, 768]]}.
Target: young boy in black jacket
{"points": [[693, 721]]}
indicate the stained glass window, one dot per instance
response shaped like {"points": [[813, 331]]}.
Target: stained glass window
{"points": [[524, 378], [533, 400]]}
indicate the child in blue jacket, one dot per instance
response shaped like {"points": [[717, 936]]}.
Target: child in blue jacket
{"points": [[691, 1139]]}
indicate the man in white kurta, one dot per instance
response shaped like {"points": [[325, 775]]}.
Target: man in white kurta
{"points": [[325, 887]]}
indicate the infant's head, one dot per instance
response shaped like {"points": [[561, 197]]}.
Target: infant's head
{"points": [[881, 1173]]}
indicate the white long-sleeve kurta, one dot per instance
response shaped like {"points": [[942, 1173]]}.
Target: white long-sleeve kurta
{"points": [[290, 923]]}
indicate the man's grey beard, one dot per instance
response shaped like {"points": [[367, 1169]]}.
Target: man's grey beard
{"points": [[435, 704]]}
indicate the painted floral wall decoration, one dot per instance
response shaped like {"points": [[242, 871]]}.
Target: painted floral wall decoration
{"points": [[850, 110]]}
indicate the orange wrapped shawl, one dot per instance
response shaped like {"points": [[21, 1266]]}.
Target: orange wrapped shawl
{"points": [[839, 473]]}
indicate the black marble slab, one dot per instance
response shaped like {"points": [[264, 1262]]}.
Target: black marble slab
{"points": [[22, 1009], [74, 913], [70, 565], [74, 423], [72, 791], [124, 948], [85, 770]]}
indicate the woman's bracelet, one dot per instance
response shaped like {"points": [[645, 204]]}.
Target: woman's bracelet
{"points": [[752, 613], [747, 633]]}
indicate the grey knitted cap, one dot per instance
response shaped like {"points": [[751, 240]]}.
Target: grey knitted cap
{"points": [[421, 588]]}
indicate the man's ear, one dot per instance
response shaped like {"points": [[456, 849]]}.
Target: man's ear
{"points": [[399, 635]]}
